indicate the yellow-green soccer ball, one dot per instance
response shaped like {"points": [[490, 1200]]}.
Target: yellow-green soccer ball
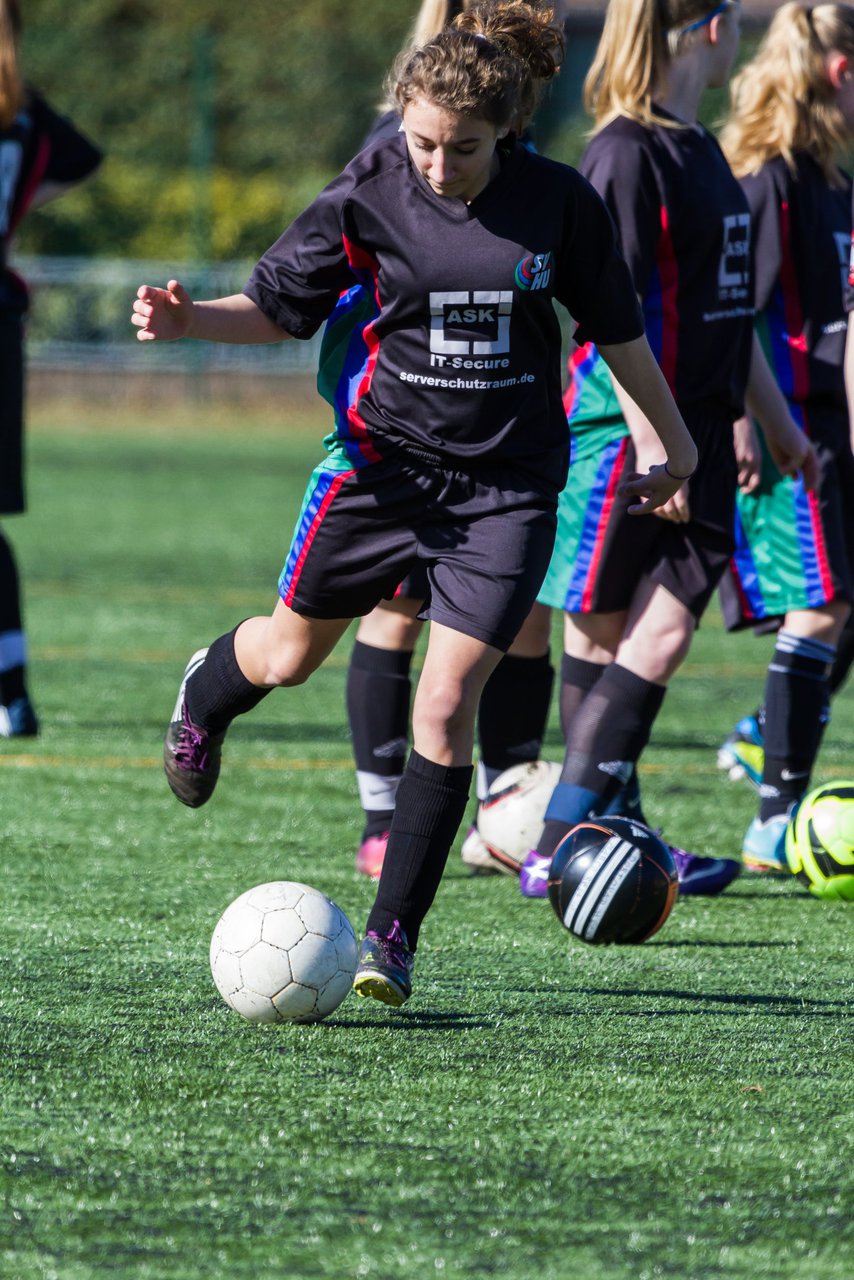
{"points": [[820, 842]]}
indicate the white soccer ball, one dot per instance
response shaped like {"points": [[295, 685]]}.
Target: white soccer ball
{"points": [[283, 952], [511, 815]]}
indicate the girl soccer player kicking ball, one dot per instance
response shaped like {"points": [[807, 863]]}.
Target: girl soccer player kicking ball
{"points": [[456, 450], [792, 115], [634, 595], [514, 708]]}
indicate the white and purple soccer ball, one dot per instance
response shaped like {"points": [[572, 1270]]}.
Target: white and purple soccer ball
{"points": [[283, 952]]}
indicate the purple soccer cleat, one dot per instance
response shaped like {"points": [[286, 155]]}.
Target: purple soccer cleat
{"points": [[534, 875], [385, 967], [701, 877]]}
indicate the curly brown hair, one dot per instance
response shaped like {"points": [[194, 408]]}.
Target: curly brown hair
{"points": [[491, 63]]}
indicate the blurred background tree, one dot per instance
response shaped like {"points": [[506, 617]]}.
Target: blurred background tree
{"points": [[222, 120], [276, 95]]}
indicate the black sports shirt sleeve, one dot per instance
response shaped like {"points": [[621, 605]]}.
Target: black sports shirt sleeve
{"points": [[621, 170], [595, 284], [300, 278], [385, 126], [70, 156], [766, 196]]}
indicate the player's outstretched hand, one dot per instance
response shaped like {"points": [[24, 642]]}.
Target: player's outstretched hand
{"points": [[162, 314], [657, 487]]}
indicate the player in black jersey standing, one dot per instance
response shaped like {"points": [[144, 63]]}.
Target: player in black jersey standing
{"points": [[792, 117], [455, 451], [41, 156], [633, 596]]}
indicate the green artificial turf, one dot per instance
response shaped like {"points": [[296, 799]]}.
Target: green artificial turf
{"points": [[541, 1110]]}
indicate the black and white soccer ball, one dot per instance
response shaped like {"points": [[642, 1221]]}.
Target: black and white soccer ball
{"points": [[511, 815], [283, 952], [612, 880]]}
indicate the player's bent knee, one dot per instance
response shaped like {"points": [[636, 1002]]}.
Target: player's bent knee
{"points": [[285, 673]]}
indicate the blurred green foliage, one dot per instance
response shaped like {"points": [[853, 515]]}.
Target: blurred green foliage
{"points": [[293, 86], [220, 122]]}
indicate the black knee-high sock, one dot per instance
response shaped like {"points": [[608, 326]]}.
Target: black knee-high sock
{"points": [[431, 801], [379, 692], [10, 589], [218, 691], [608, 734], [577, 678], [797, 709], [512, 716], [12, 642]]}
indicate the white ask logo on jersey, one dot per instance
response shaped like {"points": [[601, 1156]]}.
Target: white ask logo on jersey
{"points": [[470, 322], [734, 267]]}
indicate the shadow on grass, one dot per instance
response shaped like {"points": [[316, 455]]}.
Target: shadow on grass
{"points": [[416, 1020], [783, 889], [297, 731], [718, 943], [780, 1006]]}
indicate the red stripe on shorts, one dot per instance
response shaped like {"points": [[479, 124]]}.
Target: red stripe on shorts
{"points": [[312, 530], [602, 526]]}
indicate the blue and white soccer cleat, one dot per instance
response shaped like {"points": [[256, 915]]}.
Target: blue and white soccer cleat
{"points": [[742, 754], [764, 847], [18, 719]]}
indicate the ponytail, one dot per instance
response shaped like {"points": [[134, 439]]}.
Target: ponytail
{"points": [[11, 86], [432, 17], [783, 101], [639, 40]]}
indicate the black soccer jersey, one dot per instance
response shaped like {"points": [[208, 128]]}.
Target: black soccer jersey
{"points": [[463, 345], [684, 228], [802, 238], [39, 146], [386, 125]]}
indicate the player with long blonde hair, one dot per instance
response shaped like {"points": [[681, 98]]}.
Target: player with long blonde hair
{"points": [[634, 597], [791, 118]]}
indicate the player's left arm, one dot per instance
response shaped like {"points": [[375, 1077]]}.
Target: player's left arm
{"points": [[748, 454], [636, 370], [791, 450]]}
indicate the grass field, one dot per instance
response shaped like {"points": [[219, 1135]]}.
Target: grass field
{"points": [[540, 1109]]}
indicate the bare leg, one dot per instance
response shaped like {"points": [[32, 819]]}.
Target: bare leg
{"points": [[284, 650]]}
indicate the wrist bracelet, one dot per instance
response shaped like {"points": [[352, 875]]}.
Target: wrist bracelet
{"points": [[674, 477]]}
